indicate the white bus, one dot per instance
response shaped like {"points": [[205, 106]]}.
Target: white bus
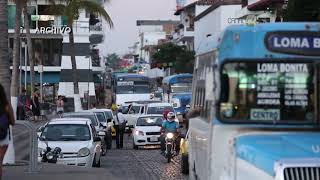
{"points": [[130, 87], [256, 105]]}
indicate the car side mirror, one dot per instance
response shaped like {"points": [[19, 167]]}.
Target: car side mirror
{"points": [[109, 120], [96, 139], [40, 129]]}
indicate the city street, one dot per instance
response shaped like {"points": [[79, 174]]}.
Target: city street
{"points": [[128, 163]]}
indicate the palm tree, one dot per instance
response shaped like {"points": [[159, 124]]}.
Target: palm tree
{"points": [[70, 9], [4, 60], [16, 56], [29, 44]]}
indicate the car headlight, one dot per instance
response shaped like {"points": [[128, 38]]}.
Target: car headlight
{"points": [[83, 152], [49, 155], [170, 135], [139, 133]]}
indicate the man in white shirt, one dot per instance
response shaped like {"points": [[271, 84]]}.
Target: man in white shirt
{"points": [[120, 126]]}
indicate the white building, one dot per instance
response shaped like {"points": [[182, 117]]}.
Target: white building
{"points": [[262, 11], [52, 50], [184, 32], [210, 23]]}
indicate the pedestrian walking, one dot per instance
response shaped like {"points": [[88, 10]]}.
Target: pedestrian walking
{"points": [[60, 105], [35, 106], [22, 104], [6, 119], [120, 126]]}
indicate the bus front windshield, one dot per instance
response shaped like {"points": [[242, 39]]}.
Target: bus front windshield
{"points": [[181, 88], [267, 92], [134, 89]]}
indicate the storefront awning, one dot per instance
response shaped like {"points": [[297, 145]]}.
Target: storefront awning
{"points": [[47, 77], [263, 4]]}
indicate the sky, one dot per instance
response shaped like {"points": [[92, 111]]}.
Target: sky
{"points": [[125, 13]]}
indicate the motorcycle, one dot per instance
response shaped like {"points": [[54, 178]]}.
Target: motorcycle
{"points": [[170, 151]]}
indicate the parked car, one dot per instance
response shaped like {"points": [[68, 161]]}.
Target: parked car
{"points": [[79, 143], [147, 130], [105, 118]]}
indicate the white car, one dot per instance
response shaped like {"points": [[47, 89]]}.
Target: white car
{"points": [[158, 108], [147, 130], [132, 114], [79, 143]]}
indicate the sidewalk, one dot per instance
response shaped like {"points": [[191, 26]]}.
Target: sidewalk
{"points": [[56, 172]]}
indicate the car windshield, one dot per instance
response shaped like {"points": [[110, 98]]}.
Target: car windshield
{"points": [[181, 88], [66, 132], [92, 117], [159, 109], [108, 114], [101, 117], [149, 121], [135, 109], [268, 92]]}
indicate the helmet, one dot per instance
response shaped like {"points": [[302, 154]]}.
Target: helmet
{"points": [[171, 116], [165, 113]]}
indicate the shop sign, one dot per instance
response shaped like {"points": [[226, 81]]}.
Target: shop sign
{"points": [[299, 43], [53, 30]]}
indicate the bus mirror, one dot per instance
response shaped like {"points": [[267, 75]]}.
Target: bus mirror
{"points": [[224, 95]]}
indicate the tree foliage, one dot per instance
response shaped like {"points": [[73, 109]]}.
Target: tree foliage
{"points": [[303, 10], [113, 60], [180, 56]]}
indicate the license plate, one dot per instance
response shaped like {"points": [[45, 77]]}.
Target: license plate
{"points": [[153, 138]]}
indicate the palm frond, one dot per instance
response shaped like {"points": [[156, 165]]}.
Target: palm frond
{"points": [[95, 8]]}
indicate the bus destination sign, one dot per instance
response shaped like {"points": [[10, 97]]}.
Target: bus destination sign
{"points": [[299, 43]]}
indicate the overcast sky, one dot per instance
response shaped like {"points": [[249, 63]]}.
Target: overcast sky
{"points": [[125, 13]]}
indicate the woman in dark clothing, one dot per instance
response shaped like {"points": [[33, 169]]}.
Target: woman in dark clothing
{"points": [[6, 117], [35, 106]]}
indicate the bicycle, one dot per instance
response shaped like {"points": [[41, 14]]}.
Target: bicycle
{"points": [[28, 114]]}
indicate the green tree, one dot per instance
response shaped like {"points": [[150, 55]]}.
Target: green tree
{"points": [[303, 10], [180, 56], [113, 60], [71, 10]]}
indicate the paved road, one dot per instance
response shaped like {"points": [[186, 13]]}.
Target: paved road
{"points": [[140, 164]]}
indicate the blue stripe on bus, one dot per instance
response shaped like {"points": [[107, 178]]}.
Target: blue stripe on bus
{"points": [[262, 151]]}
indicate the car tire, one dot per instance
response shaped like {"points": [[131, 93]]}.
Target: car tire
{"points": [[135, 146], [184, 164]]}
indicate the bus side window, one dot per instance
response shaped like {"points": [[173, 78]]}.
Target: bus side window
{"points": [[224, 88]]}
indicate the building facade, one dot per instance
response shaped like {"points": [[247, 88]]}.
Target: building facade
{"points": [[50, 38]]}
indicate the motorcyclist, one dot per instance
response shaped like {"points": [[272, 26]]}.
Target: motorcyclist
{"points": [[172, 126]]}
